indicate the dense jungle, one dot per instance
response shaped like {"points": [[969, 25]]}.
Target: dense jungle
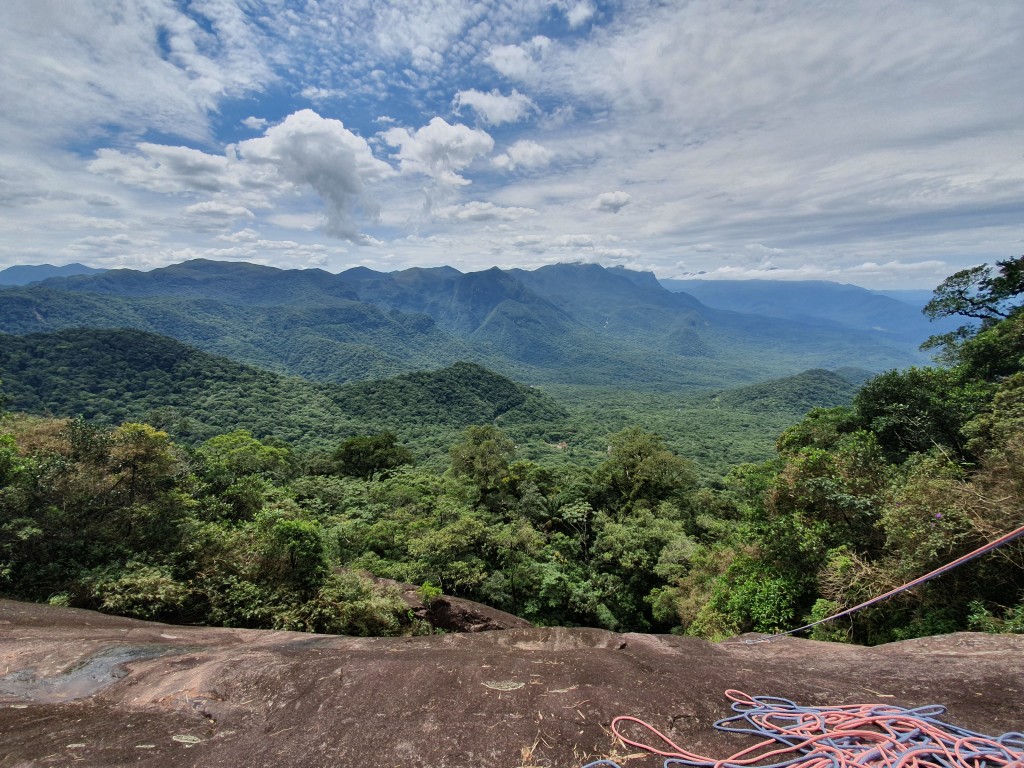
{"points": [[141, 477]]}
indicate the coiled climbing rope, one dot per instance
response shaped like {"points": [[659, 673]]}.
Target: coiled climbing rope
{"points": [[847, 736]]}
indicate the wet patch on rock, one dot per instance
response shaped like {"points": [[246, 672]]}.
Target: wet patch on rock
{"points": [[85, 678]]}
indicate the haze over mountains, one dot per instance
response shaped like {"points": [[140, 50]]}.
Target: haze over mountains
{"points": [[565, 323], [23, 274], [896, 316]]}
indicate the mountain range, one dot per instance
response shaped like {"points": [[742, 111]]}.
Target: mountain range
{"points": [[560, 324], [23, 274], [894, 315]]}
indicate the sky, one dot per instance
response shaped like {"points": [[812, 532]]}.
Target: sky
{"points": [[873, 143]]}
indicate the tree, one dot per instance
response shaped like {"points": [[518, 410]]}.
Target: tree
{"points": [[981, 293], [483, 456], [294, 557], [640, 468], [367, 455], [918, 409], [237, 454], [143, 460]]}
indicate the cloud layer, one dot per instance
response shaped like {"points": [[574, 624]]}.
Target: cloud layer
{"points": [[872, 143]]}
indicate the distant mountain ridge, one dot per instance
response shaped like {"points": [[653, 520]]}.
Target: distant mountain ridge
{"points": [[23, 274], [822, 301], [563, 323]]}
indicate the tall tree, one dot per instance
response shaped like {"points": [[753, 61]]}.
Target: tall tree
{"points": [[984, 293], [641, 470], [367, 455], [483, 456]]}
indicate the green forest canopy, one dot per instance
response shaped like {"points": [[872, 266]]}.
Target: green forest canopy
{"points": [[924, 465]]}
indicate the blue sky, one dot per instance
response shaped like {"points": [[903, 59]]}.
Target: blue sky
{"points": [[874, 143]]}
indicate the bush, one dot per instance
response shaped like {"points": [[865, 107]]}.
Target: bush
{"points": [[350, 604], [143, 591]]}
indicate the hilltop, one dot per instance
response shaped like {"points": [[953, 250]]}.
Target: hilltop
{"points": [[112, 376]]}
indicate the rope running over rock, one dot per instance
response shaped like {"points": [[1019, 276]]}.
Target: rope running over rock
{"points": [[992, 545], [848, 736]]}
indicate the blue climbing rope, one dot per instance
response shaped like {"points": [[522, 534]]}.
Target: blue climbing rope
{"points": [[848, 736]]}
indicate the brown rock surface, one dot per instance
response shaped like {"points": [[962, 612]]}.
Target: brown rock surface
{"points": [[453, 614], [81, 688]]}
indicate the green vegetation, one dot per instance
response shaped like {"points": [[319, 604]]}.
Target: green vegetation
{"points": [[792, 394], [585, 515], [565, 324], [110, 376], [923, 467]]}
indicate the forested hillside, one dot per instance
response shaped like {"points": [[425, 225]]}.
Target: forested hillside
{"points": [[793, 394], [564, 324], [923, 466], [111, 376]]}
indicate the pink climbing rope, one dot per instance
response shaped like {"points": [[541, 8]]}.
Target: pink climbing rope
{"points": [[846, 736]]}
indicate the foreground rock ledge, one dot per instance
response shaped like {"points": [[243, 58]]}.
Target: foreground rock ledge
{"points": [[82, 688]]}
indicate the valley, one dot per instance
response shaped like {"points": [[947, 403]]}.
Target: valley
{"points": [[236, 445]]}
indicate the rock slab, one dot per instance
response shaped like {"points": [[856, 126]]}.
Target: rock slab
{"points": [[83, 688]]}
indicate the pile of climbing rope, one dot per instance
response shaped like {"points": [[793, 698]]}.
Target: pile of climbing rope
{"points": [[848, 736]]}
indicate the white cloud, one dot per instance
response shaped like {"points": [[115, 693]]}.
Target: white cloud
{"points": [[854, 139], [246, 235], [77, 221], [69, 68], [929, 272], [111, 244], [482, 211], [166, 169], [219, 210], [306, 221], [439, 150], [518, 61], [579, 14], [528, 242], [611, 202], [318, 94], [307, 149], [495, 109], [422, 31], [524, 154], [572, 241]]}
